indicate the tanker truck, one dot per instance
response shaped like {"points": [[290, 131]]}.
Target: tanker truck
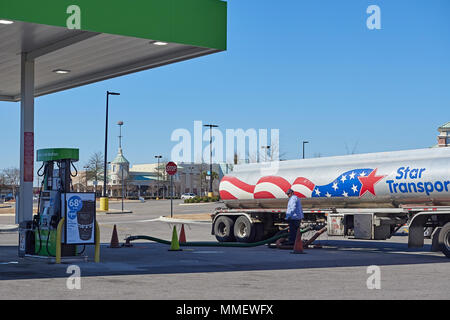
{"points": [[365, 196]]}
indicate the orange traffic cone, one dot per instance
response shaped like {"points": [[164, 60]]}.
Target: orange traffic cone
{"points": [[298, 245], [182, 235], [114, 239]]}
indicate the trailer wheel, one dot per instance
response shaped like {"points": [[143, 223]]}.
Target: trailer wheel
{"points": [[244, 231], [223, 229], [444, 239], [259, 231]]}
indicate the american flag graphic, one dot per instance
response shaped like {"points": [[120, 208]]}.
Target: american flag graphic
{"points": [[231, 188], [352, 183]]}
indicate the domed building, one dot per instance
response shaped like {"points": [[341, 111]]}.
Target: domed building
{"points": [[118, 174]]}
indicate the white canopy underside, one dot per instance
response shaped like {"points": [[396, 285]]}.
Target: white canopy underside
{"points": [[89, 56]]}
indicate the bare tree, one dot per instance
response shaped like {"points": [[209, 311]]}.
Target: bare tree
{"points": [[2, 179], [205, 180], [268, 154], [11, 178], [162, 177], [161, 173], [94, 170], [352, 151], [275, 152]]}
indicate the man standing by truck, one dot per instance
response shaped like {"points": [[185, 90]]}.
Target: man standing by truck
{"points": [[294, 215]]}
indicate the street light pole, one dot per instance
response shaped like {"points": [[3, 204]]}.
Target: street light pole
{"points": [[210, 194], [120, 124], [304, 142], [121, 169], [157, 192], [266, 148], [106, 149]]}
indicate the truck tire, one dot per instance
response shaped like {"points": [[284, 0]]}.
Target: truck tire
{"points": [[244, 230], [223, 229], [444, 239], [259, 231]]}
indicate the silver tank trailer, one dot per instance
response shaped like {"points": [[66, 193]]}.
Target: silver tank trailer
{"points": [[385, 179]]}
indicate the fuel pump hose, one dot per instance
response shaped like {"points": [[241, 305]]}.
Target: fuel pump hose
{"points": [[216, 244]]}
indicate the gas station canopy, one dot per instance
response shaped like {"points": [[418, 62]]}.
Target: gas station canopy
{"points": [[52, 45], [110, 38]]}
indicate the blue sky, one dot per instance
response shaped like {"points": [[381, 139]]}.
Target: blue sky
{"points": [[310, 68]]}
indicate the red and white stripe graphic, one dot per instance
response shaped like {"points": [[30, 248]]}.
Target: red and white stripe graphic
{"points": [[232, 188], [271, 187], [302, 187]]}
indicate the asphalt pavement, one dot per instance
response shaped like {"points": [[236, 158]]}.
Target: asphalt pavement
{"points": [[342, 269]]}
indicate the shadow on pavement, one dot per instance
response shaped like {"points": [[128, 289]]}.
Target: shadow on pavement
{"points": [[153, 258]]}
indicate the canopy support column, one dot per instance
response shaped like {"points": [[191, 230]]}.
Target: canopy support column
{"points": [[25, 203]]}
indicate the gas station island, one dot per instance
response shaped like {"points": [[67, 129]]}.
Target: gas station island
{"points": [[53, 45]]}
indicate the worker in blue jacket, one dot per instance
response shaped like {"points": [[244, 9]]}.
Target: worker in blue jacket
{"points": [[294, 215]]}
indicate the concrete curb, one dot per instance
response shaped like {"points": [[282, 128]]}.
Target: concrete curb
{"points": [[8, 228], [196, 204], [113, 211], [182, 221]]}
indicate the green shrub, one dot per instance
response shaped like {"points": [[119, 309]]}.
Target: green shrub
{"points": [[198, 199]]}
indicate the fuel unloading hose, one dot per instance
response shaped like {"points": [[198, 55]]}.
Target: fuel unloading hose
{"points": [[216, 244]]}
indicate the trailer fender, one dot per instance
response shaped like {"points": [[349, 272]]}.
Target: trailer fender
{"points": [[417, 223], [444, 239]]}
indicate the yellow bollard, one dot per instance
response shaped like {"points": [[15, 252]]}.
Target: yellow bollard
{"points": [[58, 241], [97, 243], [104, 204]]}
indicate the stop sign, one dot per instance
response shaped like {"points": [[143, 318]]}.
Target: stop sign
{"points": [[171, 168]]}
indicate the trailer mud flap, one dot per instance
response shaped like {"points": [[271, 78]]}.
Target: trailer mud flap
{"points": [[415, 234]]}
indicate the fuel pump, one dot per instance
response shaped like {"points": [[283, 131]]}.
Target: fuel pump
{"points": [[46, 234], [56, 172]]}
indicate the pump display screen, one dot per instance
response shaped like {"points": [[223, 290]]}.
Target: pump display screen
{"points": [[79, 214]]}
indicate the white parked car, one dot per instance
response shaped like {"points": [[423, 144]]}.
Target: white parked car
{"points": [[188, 196]]}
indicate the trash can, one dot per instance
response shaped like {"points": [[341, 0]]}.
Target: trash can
{"points": [[26, 238]]}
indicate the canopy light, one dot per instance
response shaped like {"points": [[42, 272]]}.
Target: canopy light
{"points": [[6, 21], [61, 71], [159, 43]]}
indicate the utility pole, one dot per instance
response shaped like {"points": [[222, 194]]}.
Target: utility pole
{"points": [[210, 194]]}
